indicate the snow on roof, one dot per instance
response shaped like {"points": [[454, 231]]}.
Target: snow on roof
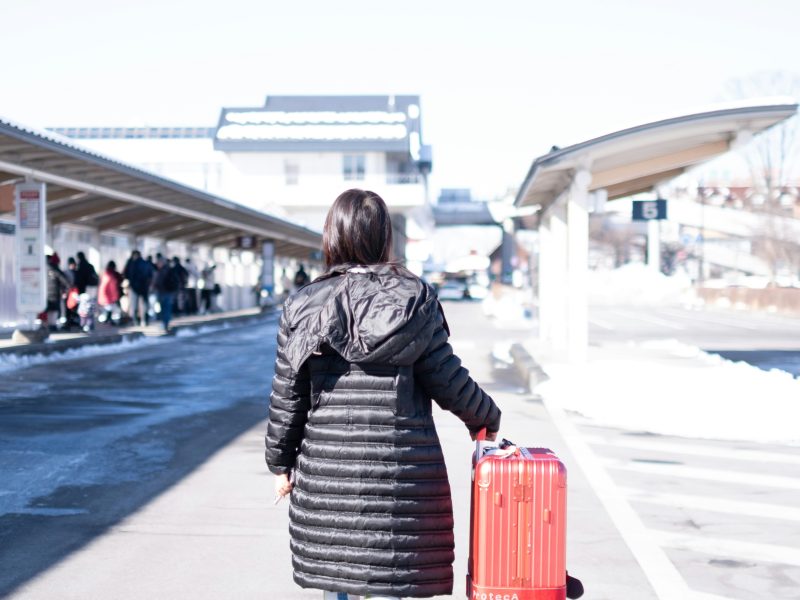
{"points": [[312, 132], [284, 117]]}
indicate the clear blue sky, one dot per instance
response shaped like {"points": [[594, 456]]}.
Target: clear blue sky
{"points": [[500, 81]]}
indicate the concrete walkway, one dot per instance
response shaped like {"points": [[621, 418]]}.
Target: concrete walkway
{"points": [[215, 534]]}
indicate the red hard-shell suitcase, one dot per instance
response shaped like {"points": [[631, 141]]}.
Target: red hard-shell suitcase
{"points": [[518, 525]]}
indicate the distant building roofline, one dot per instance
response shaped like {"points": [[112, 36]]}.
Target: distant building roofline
{"points": [[133, 133]]}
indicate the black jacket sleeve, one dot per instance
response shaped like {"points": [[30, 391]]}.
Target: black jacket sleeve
{"points": [[289, 404], [441, 375]]}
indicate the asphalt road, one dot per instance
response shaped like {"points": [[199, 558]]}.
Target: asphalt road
{"points": [[727, 514], [86, 442]]}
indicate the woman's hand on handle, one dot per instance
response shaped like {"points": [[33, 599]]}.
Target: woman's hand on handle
{"points": [[484, 435]]}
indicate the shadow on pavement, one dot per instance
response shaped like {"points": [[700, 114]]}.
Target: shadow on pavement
{"points": [[72, 516]]}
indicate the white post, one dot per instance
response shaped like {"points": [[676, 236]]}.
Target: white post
{"points": [[544, 290], [31, 268], [267, 283], [578, 267], [558, 279], [654, 244]]}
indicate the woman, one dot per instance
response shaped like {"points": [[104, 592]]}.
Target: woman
{"points": [[109, 293], [362, 350]]}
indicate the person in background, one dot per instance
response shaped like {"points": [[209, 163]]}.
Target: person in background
{"points": [[139, 274], [71, 303], [72, 266], [301, 278], [191, 286], [87, 307], [286, 284], [180, 296], [152, 298], [109, 293], [85, 274], [57, 287], [166, 284], [207, 284]]}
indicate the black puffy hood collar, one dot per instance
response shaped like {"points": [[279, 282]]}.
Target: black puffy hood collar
{"points": [[367, 314]]}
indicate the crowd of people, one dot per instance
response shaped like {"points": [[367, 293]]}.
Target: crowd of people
{"points": [[145, 290]]}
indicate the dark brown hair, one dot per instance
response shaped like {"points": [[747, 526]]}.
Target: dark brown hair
{"points": [[357, 230]]}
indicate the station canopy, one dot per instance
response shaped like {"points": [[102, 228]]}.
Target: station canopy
{"points": [[90, 189], [640, 158]]}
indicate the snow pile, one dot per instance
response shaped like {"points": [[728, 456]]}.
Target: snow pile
{"points": [[675, 389], [636, 284], [508, 304], [11, 362]]}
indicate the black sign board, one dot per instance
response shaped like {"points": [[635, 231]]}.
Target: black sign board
{"points": [[649, 210]]}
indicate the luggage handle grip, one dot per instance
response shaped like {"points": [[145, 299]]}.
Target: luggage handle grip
{"points": [[480, 436]]}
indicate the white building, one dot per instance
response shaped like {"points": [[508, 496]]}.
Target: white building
{"points": [[293, 156]]}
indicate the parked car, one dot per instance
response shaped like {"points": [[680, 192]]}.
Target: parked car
{"points": [[454, 289]]}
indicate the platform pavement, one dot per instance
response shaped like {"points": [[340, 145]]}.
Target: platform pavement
{"points": [[216, 534]]}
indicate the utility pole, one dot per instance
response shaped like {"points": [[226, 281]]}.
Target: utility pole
{"points": [[701, 272]]}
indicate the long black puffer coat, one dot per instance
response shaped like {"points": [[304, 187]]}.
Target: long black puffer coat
{"points": [[361, 353]]}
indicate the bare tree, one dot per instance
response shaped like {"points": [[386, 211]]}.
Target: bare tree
{"points": [[773, 159], [772, 154]]}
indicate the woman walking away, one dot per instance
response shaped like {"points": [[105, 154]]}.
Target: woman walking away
{"points": [[362, 351]]}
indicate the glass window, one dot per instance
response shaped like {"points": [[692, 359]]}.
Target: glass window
{"points": [[354, 167]]}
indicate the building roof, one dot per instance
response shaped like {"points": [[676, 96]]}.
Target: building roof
{"points": [[89, 188], [135, 133], [320, 123], [639, 158]]}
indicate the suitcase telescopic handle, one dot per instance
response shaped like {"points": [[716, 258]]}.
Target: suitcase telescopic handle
{"points": [[481, 435]]}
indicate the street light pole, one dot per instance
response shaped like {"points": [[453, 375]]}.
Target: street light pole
{"points": [[701, 273]]}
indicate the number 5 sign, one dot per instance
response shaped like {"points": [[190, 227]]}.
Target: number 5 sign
{"points": [[649, 210]]}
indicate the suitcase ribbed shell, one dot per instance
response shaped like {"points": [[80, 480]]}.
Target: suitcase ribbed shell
{"points": [[518, 527]]}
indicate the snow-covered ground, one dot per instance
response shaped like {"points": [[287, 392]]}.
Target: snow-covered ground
{"points": [[671, 388], [11, 362], [509, 305], [636, 284]]}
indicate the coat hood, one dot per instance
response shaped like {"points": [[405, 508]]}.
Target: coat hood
{"points": [[367, 314]]}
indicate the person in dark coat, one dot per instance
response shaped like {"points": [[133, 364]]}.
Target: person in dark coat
{"points": [[179, 303], [301, 278], [57, 286], [166, 284], [362, 352], [139, 273], [85, 274]]}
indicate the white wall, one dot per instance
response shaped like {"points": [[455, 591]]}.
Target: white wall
{"points": [[8, 287]]}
